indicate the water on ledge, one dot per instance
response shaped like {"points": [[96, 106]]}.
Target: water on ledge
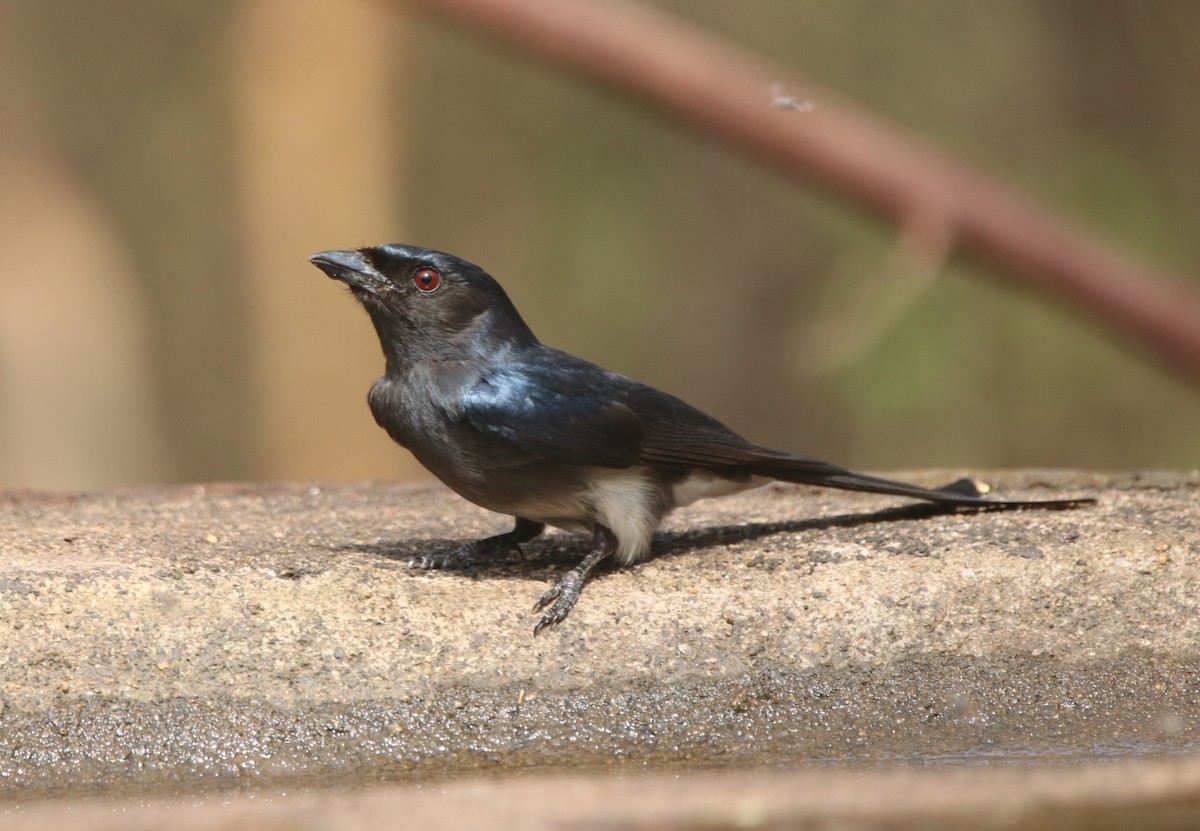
{"points": [[918, 713]]}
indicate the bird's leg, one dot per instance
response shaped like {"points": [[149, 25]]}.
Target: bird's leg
{"points": [[472, 552], [566, 591]]}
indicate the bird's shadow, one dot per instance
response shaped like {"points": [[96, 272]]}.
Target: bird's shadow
{"points": [[539, 554]]}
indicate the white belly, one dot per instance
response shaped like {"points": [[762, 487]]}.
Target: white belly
{"points": [[702, 485], [630, 503]]}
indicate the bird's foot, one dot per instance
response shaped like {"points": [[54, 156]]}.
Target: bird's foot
{"points": [[468, 554], [463, 557], [489, 548], [563, 597]]}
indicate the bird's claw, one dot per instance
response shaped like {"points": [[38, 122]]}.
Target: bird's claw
{"points": [[547, 596], [560, 598], [468, 554], [462, 557], [553, 616]]}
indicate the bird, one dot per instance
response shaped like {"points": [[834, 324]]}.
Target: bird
{"points": [[550, 439]]}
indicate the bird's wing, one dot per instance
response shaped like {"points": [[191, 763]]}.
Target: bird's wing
{"points": [[565, 409], [559, 416], [679, 434]]}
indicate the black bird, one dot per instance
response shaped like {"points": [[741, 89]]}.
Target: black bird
{"points": [[526, 430]]}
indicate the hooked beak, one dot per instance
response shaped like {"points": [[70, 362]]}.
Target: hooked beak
{"points": [[350, 267]]}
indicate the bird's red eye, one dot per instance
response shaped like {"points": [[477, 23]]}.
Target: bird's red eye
{"points": [[427, 279]]}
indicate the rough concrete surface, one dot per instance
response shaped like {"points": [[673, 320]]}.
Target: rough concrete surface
{"points": [[164, 644]]}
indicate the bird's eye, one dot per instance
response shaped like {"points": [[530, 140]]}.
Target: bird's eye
{"points": [[427, 279]]}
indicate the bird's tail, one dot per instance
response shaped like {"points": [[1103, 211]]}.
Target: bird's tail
{"points": [[963, 492]]}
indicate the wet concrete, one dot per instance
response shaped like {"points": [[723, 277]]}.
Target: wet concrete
{"points": [[178, 641], [921, 713]]}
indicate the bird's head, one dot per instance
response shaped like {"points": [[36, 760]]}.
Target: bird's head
{"points": [[427, 304]]}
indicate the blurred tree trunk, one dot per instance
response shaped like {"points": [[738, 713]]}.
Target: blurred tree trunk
{"points": [[77, 403], [76, 406], [318, 141]]}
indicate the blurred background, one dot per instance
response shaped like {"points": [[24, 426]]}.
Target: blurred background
{"points": [[167, 168]]}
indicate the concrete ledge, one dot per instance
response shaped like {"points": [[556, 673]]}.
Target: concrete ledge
{"points": [[254, 636]]}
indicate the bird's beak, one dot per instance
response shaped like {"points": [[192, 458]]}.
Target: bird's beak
{"points": [[350, 267]]}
